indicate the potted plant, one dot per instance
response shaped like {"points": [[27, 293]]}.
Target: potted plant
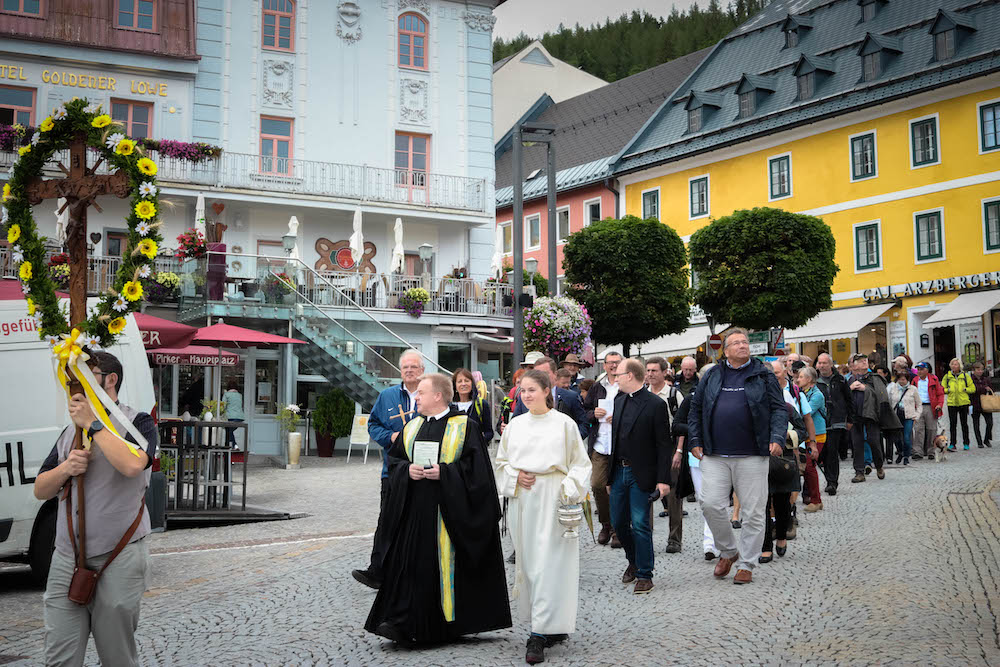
{"points": [[191, 244], [277, 290], [332, 419], [288, 422], [413, 301], [165, 287]]}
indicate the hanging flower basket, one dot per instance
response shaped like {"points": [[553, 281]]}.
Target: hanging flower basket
{"points": [[414, 300], [557, 326]]}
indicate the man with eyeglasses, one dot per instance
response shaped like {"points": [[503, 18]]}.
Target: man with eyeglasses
{"points": [[868, 393], [599, 398], [737, 419]]}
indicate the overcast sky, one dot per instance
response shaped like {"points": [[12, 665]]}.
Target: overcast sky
{"points": [[534, 17]]}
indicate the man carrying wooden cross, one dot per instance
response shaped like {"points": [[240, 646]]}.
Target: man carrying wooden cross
{"points": [[394, 407]]}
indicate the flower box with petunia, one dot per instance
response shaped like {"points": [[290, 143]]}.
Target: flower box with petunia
{"points": [[557, 326], [74, 119]]}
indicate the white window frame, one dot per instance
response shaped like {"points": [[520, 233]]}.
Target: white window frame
{"points": [[854, 245], [850, 155], [527, 232], [559, 284], [790, 182], [979, 125], [937, 139], [586, 210], [982, 212], [708, 196], [642, 203], [916, 239], [569, 224], [510, 224]]}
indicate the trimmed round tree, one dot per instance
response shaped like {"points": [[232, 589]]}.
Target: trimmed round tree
{"points": [[631, 274], [764, 268], [556, 326]]}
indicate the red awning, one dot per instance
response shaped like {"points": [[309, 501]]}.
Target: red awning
{"points": [[192, 355], [232, 336], [159, 333], [10, 290]]}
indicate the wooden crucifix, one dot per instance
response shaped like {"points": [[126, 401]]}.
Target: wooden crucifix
{"points": [[80, 188]]}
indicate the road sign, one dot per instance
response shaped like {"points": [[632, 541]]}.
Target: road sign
{"points": [[715, 342], [758, 349], [779, 340]]}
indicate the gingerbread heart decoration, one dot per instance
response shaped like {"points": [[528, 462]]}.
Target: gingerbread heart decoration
{"points": [[336, 256]]}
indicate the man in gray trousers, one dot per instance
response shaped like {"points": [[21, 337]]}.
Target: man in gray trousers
{"points": [[737, 419], [115, 485]]}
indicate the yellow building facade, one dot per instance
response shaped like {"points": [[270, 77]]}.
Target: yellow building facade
{"points": [[906, 188]]}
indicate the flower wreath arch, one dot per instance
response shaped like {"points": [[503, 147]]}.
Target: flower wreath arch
{"points": [[106, 320]]}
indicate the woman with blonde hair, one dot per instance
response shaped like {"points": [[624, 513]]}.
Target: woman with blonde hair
{"points": [[958, 387]]}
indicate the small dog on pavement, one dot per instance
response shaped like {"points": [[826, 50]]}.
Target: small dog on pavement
{"points": [[940, 447]]}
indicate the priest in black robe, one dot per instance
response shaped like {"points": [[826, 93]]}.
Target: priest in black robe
{"points": [[444, 572]]}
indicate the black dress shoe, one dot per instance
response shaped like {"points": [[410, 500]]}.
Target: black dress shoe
{"points": [[684, 512], [536, 650], [662, 514], [781, 551], [552, 640], [765, 559], [366, 578], [899, 459], [917, 457], [831, 490], [390, 631], [673, 548], [710, 556]]}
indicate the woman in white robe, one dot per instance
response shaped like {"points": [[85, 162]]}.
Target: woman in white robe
{"points": [[541, 464]]}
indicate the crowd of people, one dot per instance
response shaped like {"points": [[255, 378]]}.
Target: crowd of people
{"points": [[746, 438]]}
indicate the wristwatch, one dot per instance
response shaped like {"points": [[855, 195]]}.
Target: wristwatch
{"points": [[95, 426]]}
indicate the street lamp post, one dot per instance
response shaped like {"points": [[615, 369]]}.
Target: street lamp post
{"points": [[426, 252], [531, 266]]}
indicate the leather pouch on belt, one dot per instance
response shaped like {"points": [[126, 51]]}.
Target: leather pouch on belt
{"points": [[82, 585]]}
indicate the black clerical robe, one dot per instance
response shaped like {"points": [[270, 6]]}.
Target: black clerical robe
{"points": [[443, 560]]}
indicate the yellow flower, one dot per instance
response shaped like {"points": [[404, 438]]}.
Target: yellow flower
{"points": [[148, 248], [31, 306], [47, 124], [25, 271], [117, 325], [13, 233], [132, 290], [6, 191], [145, 210], [125, 147], [23, 150], [147, 166], [101, 121]]}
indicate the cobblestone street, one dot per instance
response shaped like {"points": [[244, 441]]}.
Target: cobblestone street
{"points": [[900, 571]]}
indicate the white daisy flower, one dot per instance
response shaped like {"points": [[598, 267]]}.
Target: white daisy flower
{"points": [[25, 288], [93, 342], [120, 304], [35, 137], [142, 228], [51, 340], [16, 254], [92, 108], [144, 271], [147, 189], [113, 140], [59, 113], [37, 317]]}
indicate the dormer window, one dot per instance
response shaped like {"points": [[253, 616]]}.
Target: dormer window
{"points": [[694, 120], [791, 38], [877, 52], [949, 30], [872, 66], [806, 85], [795, 28], [869, 9], [752, 90], [748, 103], [810, 73]]}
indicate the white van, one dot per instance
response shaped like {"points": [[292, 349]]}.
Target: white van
{"points": [[32, 415]]}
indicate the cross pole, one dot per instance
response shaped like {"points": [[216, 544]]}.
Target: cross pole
{"points": [[80, 188]]}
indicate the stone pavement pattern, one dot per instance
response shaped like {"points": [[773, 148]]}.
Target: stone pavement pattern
{"points": [[900, 571]]}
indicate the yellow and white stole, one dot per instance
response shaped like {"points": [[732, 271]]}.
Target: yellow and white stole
{"points": [[451, 451]]}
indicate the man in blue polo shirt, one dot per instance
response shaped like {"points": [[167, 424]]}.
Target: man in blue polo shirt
{"points": [[393, 408]]}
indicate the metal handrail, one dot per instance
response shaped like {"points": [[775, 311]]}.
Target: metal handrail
{"points": [[338, 291]]}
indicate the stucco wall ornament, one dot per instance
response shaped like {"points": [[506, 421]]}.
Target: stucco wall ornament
{"points": [[420, 5], [480, 22], [337, 256], [349, 21], [413, 101], [278, 79]]}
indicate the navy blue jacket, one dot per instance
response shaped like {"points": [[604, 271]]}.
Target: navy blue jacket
{"points": [[767, 408], [383, 421], [567, 402]]}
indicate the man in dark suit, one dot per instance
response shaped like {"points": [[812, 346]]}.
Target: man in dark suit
{"points": [[640, 465], [566, 401]]}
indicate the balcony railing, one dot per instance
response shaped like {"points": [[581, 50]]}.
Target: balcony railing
{"points": [[307, 177], [101, 271]]}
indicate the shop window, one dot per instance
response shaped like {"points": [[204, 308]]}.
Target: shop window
{"points": [[29, 7], [17, 105], [989, 126], [651, 204], [991, 225], [780, 176], [533, 232], [135, 117], [508, 237], [412, 161], [278, 25], [592, 212], [699, 197], [929, 236], [562, 224], [136, 14], [863, 158], [266, 389], [924, 149], [867, 247], [276, 145], [412, 41]]}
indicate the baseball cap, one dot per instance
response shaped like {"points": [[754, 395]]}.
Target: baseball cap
{"points": [[923, 364], [531, 357]]}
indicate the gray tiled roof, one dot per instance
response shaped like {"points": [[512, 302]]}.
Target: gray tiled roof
{"points": [[599, 123], [758, 47]]}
